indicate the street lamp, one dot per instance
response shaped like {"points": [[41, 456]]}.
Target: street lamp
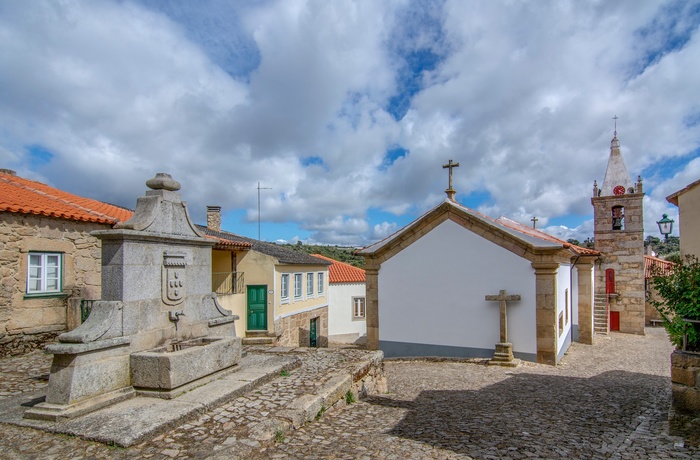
{"points": [[665, 226]]}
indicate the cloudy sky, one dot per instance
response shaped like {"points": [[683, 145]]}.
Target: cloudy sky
{"points": [[345, 111]]}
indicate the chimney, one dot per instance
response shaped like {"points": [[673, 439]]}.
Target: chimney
{"points": [[214, 218]]}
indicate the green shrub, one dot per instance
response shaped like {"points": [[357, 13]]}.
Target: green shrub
{"points": [[680, 294]]}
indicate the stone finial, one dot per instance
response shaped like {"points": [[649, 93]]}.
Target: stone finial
{"points": [[639, 185], [163, 181], [595, 189]]}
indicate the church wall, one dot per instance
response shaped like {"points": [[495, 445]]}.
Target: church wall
{"points": [[623, 251], [574, 304], [431, 297], [564, 317]]}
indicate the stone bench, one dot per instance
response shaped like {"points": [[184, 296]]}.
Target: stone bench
{"points": [[656, 322]]}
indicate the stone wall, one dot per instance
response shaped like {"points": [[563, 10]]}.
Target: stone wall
{"points": [[685, 378], [293, 330], [623, 251], [27, 323]]}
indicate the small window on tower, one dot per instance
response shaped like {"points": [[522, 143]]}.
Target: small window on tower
{"points": [[618, 218]]}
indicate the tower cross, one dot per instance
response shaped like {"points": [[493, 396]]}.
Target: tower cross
{"points": [[450, 191], [534, 222], [615, 118]]}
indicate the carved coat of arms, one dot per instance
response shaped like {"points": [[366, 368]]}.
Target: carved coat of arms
{"points": [[173, 290]]}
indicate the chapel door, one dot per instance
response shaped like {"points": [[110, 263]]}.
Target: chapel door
{"points": [[257, 308]]}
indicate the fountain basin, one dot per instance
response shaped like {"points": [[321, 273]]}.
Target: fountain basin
{"points": [[163, 369]]}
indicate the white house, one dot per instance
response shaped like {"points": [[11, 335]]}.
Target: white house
{"points": [[427, 286], [346, 304]]}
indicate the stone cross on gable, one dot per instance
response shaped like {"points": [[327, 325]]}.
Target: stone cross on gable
{"points": [[450, 191], [504, 350]]}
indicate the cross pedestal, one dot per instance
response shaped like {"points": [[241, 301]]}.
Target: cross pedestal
{"points": [[503, 355]]}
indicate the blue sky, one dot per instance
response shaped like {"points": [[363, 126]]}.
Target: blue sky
{"points": [[346, 111]]}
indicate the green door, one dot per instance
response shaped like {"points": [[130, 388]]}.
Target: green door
{"points": [[312, 333], [257, 308]]}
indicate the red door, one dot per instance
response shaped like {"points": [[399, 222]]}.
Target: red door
{"points": [[610, 289], [615, 321]]}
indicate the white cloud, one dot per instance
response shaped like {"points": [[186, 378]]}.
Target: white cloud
{"points": [[224, 97]]}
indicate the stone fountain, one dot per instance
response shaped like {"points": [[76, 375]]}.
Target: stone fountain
{"points": [[158, 329]]}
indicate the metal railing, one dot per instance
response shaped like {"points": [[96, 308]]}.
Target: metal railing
{"points": [[227, 283]]}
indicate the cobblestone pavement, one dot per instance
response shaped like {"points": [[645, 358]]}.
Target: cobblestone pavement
{"points": [[607, 401], [604, 401]]}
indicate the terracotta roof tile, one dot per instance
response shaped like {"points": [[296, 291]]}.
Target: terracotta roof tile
{"points": [[544, 236], [340, 272], [24, 196]]}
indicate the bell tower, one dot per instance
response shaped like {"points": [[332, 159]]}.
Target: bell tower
{"points": [[619, 236]]}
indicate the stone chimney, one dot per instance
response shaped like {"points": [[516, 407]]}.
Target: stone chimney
{"points": [[214, 218]]}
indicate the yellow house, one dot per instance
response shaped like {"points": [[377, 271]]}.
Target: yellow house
{"points": [[688, 202], [280, 294]]}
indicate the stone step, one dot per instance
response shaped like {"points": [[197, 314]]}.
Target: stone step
{"points": [[258, 341], [259, 334]]}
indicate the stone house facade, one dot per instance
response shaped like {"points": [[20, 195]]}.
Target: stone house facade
{"points": [[49, 259], [688, 201], [281, 295]]}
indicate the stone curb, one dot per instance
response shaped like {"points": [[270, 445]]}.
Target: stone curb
{"points": [[303, 409]]}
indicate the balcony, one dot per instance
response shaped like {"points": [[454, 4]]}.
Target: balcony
{"points": [[227, 283]]}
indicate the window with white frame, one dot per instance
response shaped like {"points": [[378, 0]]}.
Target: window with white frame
{"points": [[309, 284], [297, 286], [44, 273], [358, 307], [321, 283], [284, 288]]}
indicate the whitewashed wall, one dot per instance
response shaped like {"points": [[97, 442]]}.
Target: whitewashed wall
{"points": [[564, 304], [433, 292], [342, 327]]}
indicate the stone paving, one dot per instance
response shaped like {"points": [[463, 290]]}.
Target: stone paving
{"points": [[607, 401]]}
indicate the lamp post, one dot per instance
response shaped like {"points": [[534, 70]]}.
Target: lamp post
{"points": [[665, 226]]}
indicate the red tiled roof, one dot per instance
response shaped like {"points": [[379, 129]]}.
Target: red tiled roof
{"points": [[651, 263], [544, 236], [340, 272], [24, 196]]}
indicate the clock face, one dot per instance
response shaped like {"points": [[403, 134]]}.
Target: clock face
{"points": [[619, 190]]}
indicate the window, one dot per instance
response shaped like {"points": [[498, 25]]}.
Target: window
{"points": [[309, 284], [44, 273], [618, 218], [284, 290], [320, 283], [297, 285], [358, 310]]}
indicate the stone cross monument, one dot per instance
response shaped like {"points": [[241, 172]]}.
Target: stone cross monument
{"points": [[504, 350]]}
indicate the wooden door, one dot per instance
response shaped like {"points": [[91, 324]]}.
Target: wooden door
{"points": [[257, 308]]}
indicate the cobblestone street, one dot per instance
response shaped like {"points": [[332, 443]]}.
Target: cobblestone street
{"points": [[609, 400]]}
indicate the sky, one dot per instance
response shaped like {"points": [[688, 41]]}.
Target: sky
{"points": [[344, 112]]}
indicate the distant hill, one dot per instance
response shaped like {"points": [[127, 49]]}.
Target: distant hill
{"points": [[341, 253]]}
